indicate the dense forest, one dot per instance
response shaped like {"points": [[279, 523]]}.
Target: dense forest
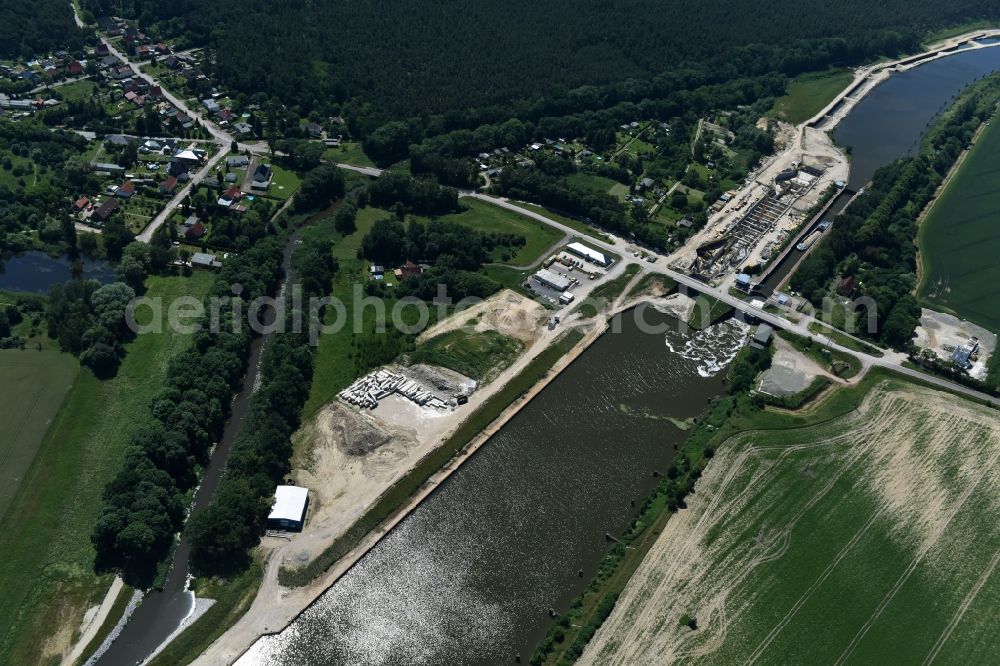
{"points": [[33, 27], [423, 57]]}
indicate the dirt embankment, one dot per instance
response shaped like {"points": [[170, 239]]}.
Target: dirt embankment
{"points": [[506, 312]]}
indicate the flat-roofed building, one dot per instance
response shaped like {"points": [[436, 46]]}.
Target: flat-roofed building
{"points": [[289, 509], [593, 256], [551, 279]]}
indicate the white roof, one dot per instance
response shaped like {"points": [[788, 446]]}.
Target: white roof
{"points": [[552, 279], [583, 250], [289, 503]]}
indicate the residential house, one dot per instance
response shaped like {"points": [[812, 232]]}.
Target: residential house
{"points": [[204, 260], [104, 211], [314, 130], [155, 91], [81, 203], [211, 105], [116, 140], [126, 190], [243, 129], [408, 270], [168, 186], [237, 161], [196, 231], [261, 178], [230, 197], [74, 68], [172, 62]]}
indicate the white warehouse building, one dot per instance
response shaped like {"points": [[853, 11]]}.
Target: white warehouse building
{"points": [[551, 279], [289, 509], [593, 256]]}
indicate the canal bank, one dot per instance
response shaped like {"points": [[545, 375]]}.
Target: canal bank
{"points": [[501, 539]]}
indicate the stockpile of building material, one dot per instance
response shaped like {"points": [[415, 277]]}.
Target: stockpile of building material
{"points": [[380, 384]]}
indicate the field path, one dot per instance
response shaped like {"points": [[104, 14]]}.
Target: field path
{"points": [[938, 531], [960, 613]]}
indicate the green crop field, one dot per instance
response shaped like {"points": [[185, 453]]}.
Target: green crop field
{"points": [[808, 93], [958, 239], [31, 391], [862, 530], [47, 574]]}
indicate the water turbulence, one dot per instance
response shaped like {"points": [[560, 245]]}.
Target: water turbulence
{"points": [[470, 575]]}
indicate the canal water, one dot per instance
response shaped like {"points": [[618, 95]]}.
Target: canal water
{"points": [[469, 576], [37, 272], [889, 122]]}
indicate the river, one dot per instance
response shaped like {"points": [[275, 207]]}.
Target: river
{"points": [[889, 122], [163, 611], [469, 576]]}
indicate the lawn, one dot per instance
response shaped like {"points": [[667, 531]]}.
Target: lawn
{"points": [[349, 153], [284, 183], [474, 354], [334, 364], [487, 218], [592, 183], [77, 90], [47, 575], [808, 93], [32, 390], [571, 222], [958, 239], [861, 530]]}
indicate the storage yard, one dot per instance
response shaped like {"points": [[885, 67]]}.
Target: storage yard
{"points": [[376, 386]]}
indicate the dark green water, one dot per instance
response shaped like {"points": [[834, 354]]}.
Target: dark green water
{"points": [[468, 577]]}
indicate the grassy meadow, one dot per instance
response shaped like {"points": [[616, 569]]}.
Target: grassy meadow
{"points": [[474, 354], [31, 393], [47, 575], [959, 242], [808, 93]]}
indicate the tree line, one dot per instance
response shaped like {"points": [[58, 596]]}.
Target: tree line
{"points": [[143, 506], [223, 533]]}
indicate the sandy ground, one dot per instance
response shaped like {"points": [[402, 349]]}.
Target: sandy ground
{"points": [[902, 434], [92, 621], [791, 371], [941, 333], [507, 312]]}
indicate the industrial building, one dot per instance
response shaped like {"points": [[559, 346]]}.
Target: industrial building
{"points": [[289, 509], [762, 336], [593, 256], [550, 279]]}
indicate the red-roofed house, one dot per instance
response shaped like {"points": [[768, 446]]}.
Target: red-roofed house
{"points": [[74, 67], [195, 231], [81, 203], [168, 186], [126, 190]]}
